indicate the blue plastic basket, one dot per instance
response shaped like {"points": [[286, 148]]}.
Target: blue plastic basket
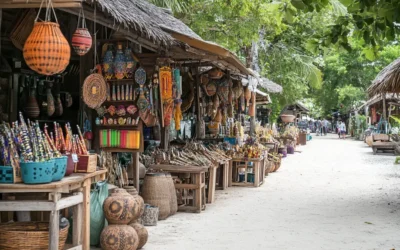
{"points": [[6, 174], [60, 166], [37, 172], [230, 140]]}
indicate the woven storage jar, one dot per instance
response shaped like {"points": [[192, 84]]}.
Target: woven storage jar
{"points": [[173, 200], [81, 41], [28, 235], [157, 193], [46, 50]]}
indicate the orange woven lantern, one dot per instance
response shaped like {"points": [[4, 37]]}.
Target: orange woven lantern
{"points": [[46, 50]]}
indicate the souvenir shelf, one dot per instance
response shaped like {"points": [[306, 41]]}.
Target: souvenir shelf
{"points": [[119, 147]]}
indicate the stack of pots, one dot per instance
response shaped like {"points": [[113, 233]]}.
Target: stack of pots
{"points": [[159, 191], [120, 210]]}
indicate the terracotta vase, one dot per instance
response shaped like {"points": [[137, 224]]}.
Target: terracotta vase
{"points": [[119, 63], [119, 237], [46, 50], [120, 207], [70, 165], [81, 41], [141, 232]]}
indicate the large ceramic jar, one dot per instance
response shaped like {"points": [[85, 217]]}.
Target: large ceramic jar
{"points": [[108, 63], [141, 232], [119, 63], [119, 237], [120, 207]]}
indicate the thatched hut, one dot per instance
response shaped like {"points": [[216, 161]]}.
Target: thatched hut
{"points": [[387, 81]]}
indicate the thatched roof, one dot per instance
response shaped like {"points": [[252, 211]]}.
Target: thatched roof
{"points": [[141, 16], [270, 86], [387, 81]]}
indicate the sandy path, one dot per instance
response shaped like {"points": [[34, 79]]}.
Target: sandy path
{"points": [[333, 195]]}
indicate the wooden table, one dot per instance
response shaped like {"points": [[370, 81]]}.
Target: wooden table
{"points": [[197, 183], [258, 171], [71, 191]]}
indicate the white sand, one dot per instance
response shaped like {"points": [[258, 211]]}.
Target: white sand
{"points": [[333, 195]]}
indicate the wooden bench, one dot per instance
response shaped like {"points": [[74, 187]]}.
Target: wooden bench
{"points": [[383, 146], [196, 183], [71, 191]]}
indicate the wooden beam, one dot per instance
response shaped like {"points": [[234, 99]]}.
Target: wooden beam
{"points": [[69, 201], [27, 206]]}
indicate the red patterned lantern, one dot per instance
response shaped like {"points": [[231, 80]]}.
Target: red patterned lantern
{"points": [[81, 41]]}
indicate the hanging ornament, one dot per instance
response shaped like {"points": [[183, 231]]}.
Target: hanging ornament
{"points": [[130, 63], [108, 62], [46, 50], [119, 63], [81, 39]]}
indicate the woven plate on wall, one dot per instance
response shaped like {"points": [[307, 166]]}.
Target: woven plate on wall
{"points": [[94, 90]]}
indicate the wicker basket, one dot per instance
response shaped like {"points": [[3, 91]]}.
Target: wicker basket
{"points": [[156, 192], [28, 235]]}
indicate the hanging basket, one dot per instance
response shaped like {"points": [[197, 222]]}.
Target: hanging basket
{"points": [[81, 39], [46, 50], [94, 90]]}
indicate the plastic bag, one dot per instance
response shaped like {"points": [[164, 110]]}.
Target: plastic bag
{"points": [[97, 219]]}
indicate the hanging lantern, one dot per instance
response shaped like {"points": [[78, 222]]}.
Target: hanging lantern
{"points": [[130, 63], [119, 63], [46, 50], [81, 39]]}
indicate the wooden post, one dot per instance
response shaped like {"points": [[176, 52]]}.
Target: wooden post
{"points": [[198, 114], [135, 165], [384, 106], [86, 214]]}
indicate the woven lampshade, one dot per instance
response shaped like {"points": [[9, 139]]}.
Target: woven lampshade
{"points": [[46, 50]]}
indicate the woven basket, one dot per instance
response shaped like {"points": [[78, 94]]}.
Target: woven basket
{"points": [[23, 28], [28, 235], [94, 90], [156, 192], [46, 50], [173, 199]]}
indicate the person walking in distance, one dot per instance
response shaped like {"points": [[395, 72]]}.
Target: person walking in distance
{"points": [[342, 130], [324, 126]]}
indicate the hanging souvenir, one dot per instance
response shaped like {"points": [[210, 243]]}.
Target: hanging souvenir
{"points": [[247, 96], [211, 88], [187, 93], [242, 103], [215, 73], [168, 108], [130, 63], [216, 104], [204, 80], [210, 108], [178, 114], [230, 111], [140, 76], [142, 102], [31, 108], [58, 106], [119, 63], [108, 62], [165, 83], [223, 90], [50, 102], [218, 116], [94, 90], [81, 39], [68, 100], [46, 50]]}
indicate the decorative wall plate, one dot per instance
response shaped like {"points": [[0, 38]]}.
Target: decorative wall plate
{"points": [[94, 90]]}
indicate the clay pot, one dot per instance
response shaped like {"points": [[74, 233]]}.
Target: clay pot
{"points": [[70, 165], [173, 199], [120, 207], [141, 232], [119, 237], [138, 199]]}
